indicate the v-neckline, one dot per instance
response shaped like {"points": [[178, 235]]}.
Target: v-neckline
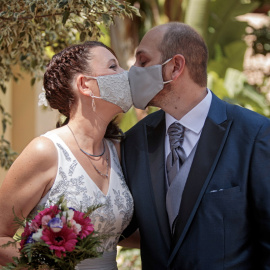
{"points": [[110, 160]]}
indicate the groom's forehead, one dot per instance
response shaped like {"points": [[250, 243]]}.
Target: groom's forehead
{"points": [[151, 40], [147, 54], [147, 48]]}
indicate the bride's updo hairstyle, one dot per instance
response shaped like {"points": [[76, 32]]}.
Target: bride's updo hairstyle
{"points": [[59, 76]]}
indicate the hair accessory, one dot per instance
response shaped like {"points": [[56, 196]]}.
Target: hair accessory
{"points": [[42, 98]]}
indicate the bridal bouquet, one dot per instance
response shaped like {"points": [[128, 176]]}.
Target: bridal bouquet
{"points": [[57, 238]]}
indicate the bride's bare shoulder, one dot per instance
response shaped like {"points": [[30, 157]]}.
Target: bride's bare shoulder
{"points": [[39, 154]]}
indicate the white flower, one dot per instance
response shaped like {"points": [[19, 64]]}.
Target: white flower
{"points": [[76, 227], [37, 235], [42, 98], [70, 214]]}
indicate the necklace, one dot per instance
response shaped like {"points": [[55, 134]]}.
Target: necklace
{"points": [[98, 171], [89, 157], [88, 154]]}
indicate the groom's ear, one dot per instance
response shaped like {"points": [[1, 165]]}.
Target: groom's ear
{"points": [[179, 64]]}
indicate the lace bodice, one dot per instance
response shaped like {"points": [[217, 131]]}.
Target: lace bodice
{"points": [[80, 191]]}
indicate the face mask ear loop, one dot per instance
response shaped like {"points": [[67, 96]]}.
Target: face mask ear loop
{"points": [[167, 61], [92, 96], [167, 82], [165, 64], [91, 93]]}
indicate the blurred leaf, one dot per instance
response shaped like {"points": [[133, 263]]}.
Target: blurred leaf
{"points": [[7, 155], [223, 26], [216, 84], [235, 52], [105, 18], [234, 81], [33, 7], [33, 80], [65, 16], [244, 94], [62, 3], [128, 120], [232, 57], [197, 15], [82, 36], [3, 88]]}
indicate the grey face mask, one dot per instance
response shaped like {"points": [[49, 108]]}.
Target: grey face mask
{"points": [[145, 83], [115, 89]]}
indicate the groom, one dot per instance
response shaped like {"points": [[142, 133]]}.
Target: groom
{"points": [[199, 168]]}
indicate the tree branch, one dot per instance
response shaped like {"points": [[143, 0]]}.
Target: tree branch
{"points": [[31, 17]]}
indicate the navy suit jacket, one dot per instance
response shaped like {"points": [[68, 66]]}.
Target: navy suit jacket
{"points": [[224, 216]]}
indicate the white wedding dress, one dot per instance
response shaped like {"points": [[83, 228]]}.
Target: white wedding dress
{"points": [[80, 191]]}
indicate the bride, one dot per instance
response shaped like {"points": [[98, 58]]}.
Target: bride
{"points": [[79, 159]]}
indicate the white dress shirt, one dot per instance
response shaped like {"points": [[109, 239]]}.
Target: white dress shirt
{"points": [[193, 121]]}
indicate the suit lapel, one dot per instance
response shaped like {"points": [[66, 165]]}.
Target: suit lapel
{"points": [[155, 137], [209, 148]]}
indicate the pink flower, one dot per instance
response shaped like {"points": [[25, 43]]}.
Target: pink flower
{"points": [[62, 241], [45, 220], [25, 235], [86, 225], [34, 226], [51, 211], [75, 227], [64, 219]]}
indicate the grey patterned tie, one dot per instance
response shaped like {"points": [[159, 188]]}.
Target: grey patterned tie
{"points": [[177, 155]]}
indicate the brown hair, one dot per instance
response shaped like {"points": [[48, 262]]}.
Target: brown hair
{"points": [[183, 39], [59, 75]]}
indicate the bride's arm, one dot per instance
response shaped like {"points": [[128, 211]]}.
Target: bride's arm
{"points": [[27, 181], [133, 241]]}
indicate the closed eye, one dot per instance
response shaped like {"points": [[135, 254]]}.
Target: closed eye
{"points": [[143, 61], [113, 66], [142, 64]]}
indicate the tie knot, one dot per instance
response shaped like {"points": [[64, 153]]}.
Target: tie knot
{"points": [[176, 134]]}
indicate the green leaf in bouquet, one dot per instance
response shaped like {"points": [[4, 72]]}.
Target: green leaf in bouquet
{"points": [[91, 209]]}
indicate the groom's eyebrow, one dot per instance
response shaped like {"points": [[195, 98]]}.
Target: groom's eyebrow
{"points": [[141, 52], [138, 53]]}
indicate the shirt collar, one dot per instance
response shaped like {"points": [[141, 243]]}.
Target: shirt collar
{"points": [[195, 118]]}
